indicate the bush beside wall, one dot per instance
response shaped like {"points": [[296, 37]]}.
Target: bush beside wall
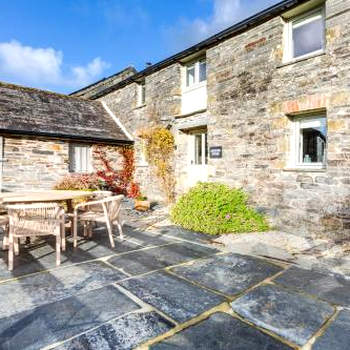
{"points": [[216, 209]]}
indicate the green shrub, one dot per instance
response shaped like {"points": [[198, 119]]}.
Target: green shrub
{"points": [[215, 209]]}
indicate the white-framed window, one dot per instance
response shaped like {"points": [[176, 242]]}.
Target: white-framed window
{"points": [[305, 35], [309, 142], [200, 148], [196, 73], [80, 159], [141, 94]]}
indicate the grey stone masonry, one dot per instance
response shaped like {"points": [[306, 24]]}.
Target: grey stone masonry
{"points": [[38, 163], [252, 98]]}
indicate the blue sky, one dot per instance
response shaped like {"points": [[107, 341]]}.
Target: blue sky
{"points": [[63, 45]]}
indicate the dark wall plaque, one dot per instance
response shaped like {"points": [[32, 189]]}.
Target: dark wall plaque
{"points": [[215, 152]]}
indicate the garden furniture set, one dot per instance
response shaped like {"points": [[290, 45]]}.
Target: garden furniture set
{"points": [[32, 214]]}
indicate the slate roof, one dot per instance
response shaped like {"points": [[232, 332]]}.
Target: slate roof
{"points": [[27, 111], [95, 88]]}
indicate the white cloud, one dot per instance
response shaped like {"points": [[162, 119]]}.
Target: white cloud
{"points": [[85, 74], [44, 66], [225, 13]]}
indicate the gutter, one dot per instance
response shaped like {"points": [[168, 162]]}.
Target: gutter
{"points": [[102, 140], [236, 29]]}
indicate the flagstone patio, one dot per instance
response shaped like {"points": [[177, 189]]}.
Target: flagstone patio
{"points": [[167, 288]]}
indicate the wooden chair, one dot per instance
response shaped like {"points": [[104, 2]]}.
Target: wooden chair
{"points": [[4, 224], [31, 220], [109, 214]]}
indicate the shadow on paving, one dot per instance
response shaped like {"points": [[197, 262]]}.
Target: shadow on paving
{"points": [[41, 256], [53, 306], [220, 332], [181, 233]]}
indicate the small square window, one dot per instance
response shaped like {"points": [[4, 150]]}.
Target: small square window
{"points": [[196, 73], [80, 158], [309, 142], [305, 35]]}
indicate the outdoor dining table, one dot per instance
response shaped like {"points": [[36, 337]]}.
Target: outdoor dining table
{"points": [[44, 196]]}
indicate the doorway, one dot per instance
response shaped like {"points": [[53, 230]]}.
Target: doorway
{"points": [[198, 157]]}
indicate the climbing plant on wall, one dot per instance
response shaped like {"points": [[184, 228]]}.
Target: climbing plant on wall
{"points": [[159, 151], [117, 180]]}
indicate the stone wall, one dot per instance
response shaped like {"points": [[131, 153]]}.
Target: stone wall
{"points": [[39, 163], [250, 95], [163, 101]]}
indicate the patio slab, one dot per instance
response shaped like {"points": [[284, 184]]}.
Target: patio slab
{"points": [[221, 332], [229, 274], [337, 335], [124, 333], [142, 261], [47, 287], [332, 288], [175, 297], [147, 238], [50, 323], [178, 232], [42, 256], [292, 316]]}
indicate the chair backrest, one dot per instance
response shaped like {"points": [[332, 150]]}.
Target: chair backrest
{"points": [[102, 194], [113, 205], [35, 219], [98, 195]]}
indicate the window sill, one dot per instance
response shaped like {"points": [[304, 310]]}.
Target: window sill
{"points": [[305, 169], [140, 106], [301, 59], [193, 87], [185, 115]]}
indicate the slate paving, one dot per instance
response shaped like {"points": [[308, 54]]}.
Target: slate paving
{"points": [[51, 323], [175, 297], [332, 288], [124, 333], [41, 256], [221, 332], [105, 298], [177, 232], [292, 316], [46, 287], [337, 336], [136, 263], [229, 274]]}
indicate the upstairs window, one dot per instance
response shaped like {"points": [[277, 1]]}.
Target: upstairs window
{"points": [[305, 35], [196, 73], [309, 142], [141, 99], [80, 160]]}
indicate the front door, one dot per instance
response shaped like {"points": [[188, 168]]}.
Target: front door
{"points": [[198, 158]]}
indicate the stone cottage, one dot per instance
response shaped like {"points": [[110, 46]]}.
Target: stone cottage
{"points": [[263, 105], [44, 136]]}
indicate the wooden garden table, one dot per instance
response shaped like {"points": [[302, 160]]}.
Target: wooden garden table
{"points": [[44, 196]]}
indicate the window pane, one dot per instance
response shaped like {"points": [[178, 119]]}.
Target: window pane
{"points": [[198, 149], [308, 37], [80, 159], [313, 143], [190, 76], [202, 71]]}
